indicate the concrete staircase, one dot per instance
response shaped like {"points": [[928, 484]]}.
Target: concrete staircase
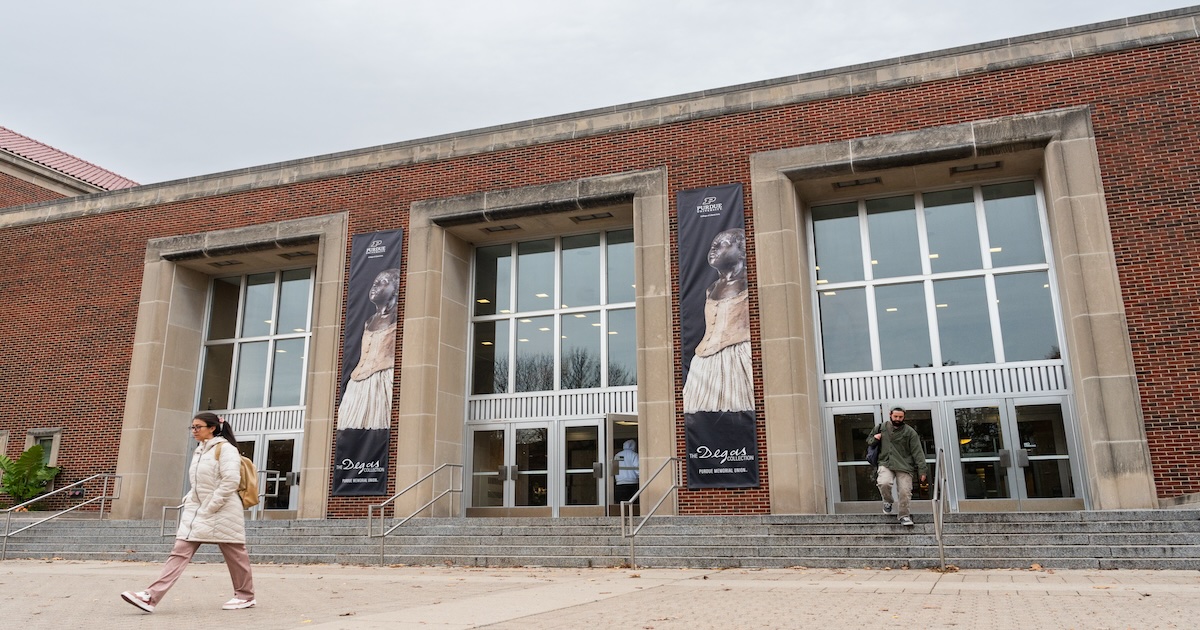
{"points": [[1144, 539]]}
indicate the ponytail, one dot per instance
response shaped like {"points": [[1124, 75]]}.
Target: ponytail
{"points": [[220, 427]]}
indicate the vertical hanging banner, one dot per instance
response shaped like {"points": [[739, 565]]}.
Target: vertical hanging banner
{"points": [[714, 320], [364, 415]]}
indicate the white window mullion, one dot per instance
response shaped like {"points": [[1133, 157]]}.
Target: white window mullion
{"points": [[922, 237], [864, 235], [981, 223], [994, 316], [873, 326], [935, 340]]}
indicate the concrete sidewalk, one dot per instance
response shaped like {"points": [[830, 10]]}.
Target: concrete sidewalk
{"points": [[70, 594]]}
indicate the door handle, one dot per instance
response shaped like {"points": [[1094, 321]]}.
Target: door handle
{"points": [[503, 471], [1022, 457], [1006, 459], [598, 470]]}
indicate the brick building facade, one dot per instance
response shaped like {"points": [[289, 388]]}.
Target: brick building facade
{"points": [[1090, 132]]}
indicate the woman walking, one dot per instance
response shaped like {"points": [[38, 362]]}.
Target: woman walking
{"points": [[212, 513]]}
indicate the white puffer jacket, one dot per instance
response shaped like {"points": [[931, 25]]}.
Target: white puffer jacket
{"points": [[212, 510]]}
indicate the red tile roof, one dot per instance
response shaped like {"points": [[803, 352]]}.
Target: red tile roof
{"points": [[65, 163]]}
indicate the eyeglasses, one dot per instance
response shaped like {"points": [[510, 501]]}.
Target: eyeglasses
{"points": [[197, 427]]}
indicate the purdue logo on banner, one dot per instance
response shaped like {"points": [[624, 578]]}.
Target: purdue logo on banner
{"points": [[714, 316], [364, 414]]}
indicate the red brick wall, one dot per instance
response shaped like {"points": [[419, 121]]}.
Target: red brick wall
{"points": [[71, 287], [16, 192]]}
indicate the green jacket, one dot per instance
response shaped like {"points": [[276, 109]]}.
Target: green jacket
{"points": [[901, 450]]}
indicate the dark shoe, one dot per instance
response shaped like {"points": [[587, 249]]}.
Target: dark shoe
{"points": [[141, 599]]}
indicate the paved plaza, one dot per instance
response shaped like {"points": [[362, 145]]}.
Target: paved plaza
{"points": [[72, 594]]}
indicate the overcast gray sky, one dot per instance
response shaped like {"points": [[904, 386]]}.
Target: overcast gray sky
{"points": [[164, 89]]}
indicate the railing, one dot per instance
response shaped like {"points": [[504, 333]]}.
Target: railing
{"points": [[265, 477], [103, 498], [627, 528], [383, 534], [939, 503]]}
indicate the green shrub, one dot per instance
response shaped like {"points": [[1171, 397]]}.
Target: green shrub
{"points": [[26, 477]]}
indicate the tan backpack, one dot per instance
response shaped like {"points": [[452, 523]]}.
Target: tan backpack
{"points": [[248, 484]]}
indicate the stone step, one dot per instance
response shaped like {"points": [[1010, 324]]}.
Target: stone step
{"points": [[1104, 539]]}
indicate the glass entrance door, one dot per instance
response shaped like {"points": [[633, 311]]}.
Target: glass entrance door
{"points": [[582, 469], [277, 458], [1013, 454], [855, 478], [537, 469], [510, 469]]}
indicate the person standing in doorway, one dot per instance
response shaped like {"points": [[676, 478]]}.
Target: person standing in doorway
{"points": [[627, 471], [900, 457], [212, 513]]}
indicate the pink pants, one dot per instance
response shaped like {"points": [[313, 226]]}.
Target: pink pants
{"points": [[236, 559]]}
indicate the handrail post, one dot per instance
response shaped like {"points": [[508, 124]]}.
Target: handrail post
{"points": [[939, 501], [384, 532], [632, 532]]}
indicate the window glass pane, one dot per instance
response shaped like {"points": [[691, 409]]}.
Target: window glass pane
{"points": [[490, 363], [855, 479], [218, 369], [622, 348], [620, 267], [288, 372], [535, 276], [223, 308], [1027, 316], [1041, 431], [532, 458], [580, 270], [251, 375], [535, 354], [892, 230], [952, 231], [281, 454], [964, 326], [294, 293], [1014, 229], [580, 358], [487, 456], [581, 448], [979, 443], [903, 326], [845, 338], [921, 420], [493, 278], [260, 298], [837, 243]]}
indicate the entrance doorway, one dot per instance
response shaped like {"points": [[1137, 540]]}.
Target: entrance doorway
{"points": [[277, 458], [542, 468], [1004, 454]]}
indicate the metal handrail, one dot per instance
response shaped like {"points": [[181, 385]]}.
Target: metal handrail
{"points": [[383, 534], [102, 498], [939, 502], [630, 531]]}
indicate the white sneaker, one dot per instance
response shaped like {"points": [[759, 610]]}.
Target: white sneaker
{"points": [[906, 521], [887, 507], [238, 604], [141, 599]]}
